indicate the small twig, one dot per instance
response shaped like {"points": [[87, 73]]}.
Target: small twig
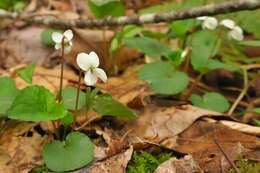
{"points": [[226, 156], [207, 10], [241, 95], [193, 86]]}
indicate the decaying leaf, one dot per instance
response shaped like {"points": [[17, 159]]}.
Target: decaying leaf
{"points": [[183, 165], [241, 127], [127, 90], [23, 46], [48, 78], [198, 140], [157, 124], [113, 164], [22, 153]]}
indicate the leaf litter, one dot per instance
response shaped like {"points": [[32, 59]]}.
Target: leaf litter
{"points": [[193, 134]]}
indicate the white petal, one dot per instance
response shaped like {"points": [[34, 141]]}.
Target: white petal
{"points": [[57, 37], [68, 34], [210, 23], [90, 78], [67, 49], [94, 60], [202, 18], [83, 61], [236, 33], [101, 74], [228, 23], [57, 46]]}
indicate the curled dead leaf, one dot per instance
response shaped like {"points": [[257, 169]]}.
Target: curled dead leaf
{"points": [[184, 165]]}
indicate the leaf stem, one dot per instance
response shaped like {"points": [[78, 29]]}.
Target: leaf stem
{"points": [[241, 95]]}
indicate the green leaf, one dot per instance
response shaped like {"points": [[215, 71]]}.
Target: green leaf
{"points": [[46, 36], [175, 57], [215, 64], [8, 92], [69, 96], [212, 101], [73, 153], [203, 44], [27, 73], [127, 32], [36, 103], [163, 78], [149, 46], [256, 110], [256, 122], [67, 120], [180, 28], [103, 8], [255, 43], [106, 105]]}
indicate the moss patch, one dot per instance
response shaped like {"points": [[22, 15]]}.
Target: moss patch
{"points": [[144, 162], [246, 166]]}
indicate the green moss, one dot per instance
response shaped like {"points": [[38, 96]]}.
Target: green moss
{"points": [[144, 162], [246, 166]]}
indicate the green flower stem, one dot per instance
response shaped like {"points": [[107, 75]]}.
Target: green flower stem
{"points": [[62, 70], [78, 90], [241, 95]]}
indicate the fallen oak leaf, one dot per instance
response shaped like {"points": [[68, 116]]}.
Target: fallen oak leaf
{"points": [[184, 165], [156, 124], [117, 163]]}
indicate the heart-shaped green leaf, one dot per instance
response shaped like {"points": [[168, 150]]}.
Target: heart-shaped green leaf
{"points": [[106, 105], [163, 78], [36, 103], [212, 101], [73, 153], [69, 96], [103, 8], [27, 73], [203, 45], [8, 92], [149, 46]]}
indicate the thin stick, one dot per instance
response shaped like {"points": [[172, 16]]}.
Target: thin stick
{"points": [[207, 10], [61, 70], [226, 156], [241, 95], [77, 98]]}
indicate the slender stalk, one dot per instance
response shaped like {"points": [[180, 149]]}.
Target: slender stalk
{"points": [[61, 70], [241, 95], [77, 97], [226, 156]]}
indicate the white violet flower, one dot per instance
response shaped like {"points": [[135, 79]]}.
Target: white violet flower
{"points": [[57, 38], [89, 64], [208, 22], [236, 32], [228, 23]]}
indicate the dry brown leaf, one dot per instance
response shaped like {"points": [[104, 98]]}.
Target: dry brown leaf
{"points": [[198, 140], [241, 127], [115, 164], [127, 90], [24, 46], [157, 124], [49, 78], [183, 165], [24, 151]]}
